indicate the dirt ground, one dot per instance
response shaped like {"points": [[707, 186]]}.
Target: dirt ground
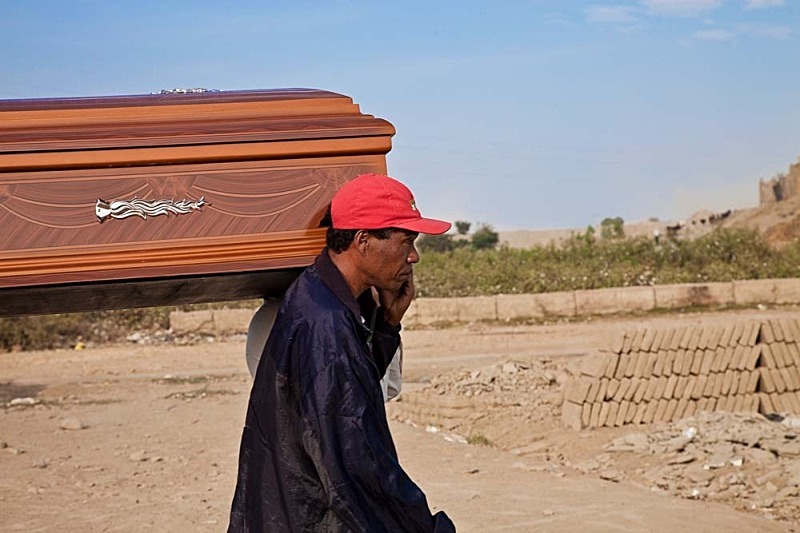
{"points": [[144, 437]]}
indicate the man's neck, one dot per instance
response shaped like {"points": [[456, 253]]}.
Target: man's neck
{"points": [[349, 271]]}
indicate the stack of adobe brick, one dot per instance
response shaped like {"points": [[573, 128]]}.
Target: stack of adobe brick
{"points": [[779, 366], [661, 375]]}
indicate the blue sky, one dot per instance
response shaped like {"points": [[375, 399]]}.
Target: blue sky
{"points": [[519, 114]]}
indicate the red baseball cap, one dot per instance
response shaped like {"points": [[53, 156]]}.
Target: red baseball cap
{"points": [[375, 201]]}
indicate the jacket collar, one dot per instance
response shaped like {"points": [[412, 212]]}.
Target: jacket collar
{"points": [[363, 307]]}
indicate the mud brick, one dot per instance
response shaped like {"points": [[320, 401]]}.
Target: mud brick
{"points": [[744, 357], [676, 339], [790, 400], [727, 360], [594, 417], [707, 360], [710, 405], [727, 382], [794, 353], [669, 388], [737, 378], [780, 385], [718, 380], [725, 338], [666, 341], [647, 340], [767, 359], [627, 341], [691, 408], [680, 387], [685, 334], [688, 360], [699, 386], [611, 367], [792, 326], [766, 332], [622, 412], [652, 357], [594, 386], [638, 418], [611, 415], [752, 383], [669, 412], [624, 359], [766, 384], [718, 359], [619, 340], [631, 413], [786, 334], [613, 385], [636, 343], [783, 358], [594, 365], [765, 403], [657, 339], [642, 359], [738, 355], [630, 370], [744, 382], [641, 389], [586, 414], [708, 389], [777, 355], [754, 334], [701, 404], [661, 408], [571, 415], [787, 379], [747, 332], [702, 343], [692, 334], [777, 330], [671, 337], [619, 394], [661, 384], [694, 340], [604, 409], [680, 408], [736, 334], [697, 362], [576, 390], [794, 372], [650, 412], [716, 335], [777, 402], [631, 390], [752, 403], [752, 356], [676, 363], [681, 338], [728, 404], [661, 359], [602, 390], [649, 393], [690, 382]]}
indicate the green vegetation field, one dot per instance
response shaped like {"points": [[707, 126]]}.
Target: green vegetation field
{"points": [[581, 263]]}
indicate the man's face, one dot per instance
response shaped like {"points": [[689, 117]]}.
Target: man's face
{"points": [[391, 261]]}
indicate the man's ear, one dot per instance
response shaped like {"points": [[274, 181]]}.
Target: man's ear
{"points": [[361, 241]]}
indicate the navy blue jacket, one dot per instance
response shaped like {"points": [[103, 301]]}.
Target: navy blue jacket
{"points": [[316, 451]]}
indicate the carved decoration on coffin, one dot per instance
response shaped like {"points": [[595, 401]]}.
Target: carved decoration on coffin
{"points": [[143, 208]]}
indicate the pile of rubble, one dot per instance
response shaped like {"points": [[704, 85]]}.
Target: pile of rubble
{"points": [[747, 461]]}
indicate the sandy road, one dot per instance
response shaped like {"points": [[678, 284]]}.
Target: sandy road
{"points": [[162, 424]]}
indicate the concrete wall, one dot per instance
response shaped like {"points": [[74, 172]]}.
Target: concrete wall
{"points": [[510, 307]]}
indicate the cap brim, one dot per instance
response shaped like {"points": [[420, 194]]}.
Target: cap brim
{"points": [[429, 226]]}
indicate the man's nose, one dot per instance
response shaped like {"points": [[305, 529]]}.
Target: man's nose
{"points": [[413, 256]]}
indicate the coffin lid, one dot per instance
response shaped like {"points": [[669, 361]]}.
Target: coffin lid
{"points": [[180, 119]]}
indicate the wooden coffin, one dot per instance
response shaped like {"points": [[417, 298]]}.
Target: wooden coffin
{"points": [[130, 201]]}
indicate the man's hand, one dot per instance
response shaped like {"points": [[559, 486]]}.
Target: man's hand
{"points": [[395, 303]]}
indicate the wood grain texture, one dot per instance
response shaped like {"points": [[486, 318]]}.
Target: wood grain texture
{"points": [[266, 164]]}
